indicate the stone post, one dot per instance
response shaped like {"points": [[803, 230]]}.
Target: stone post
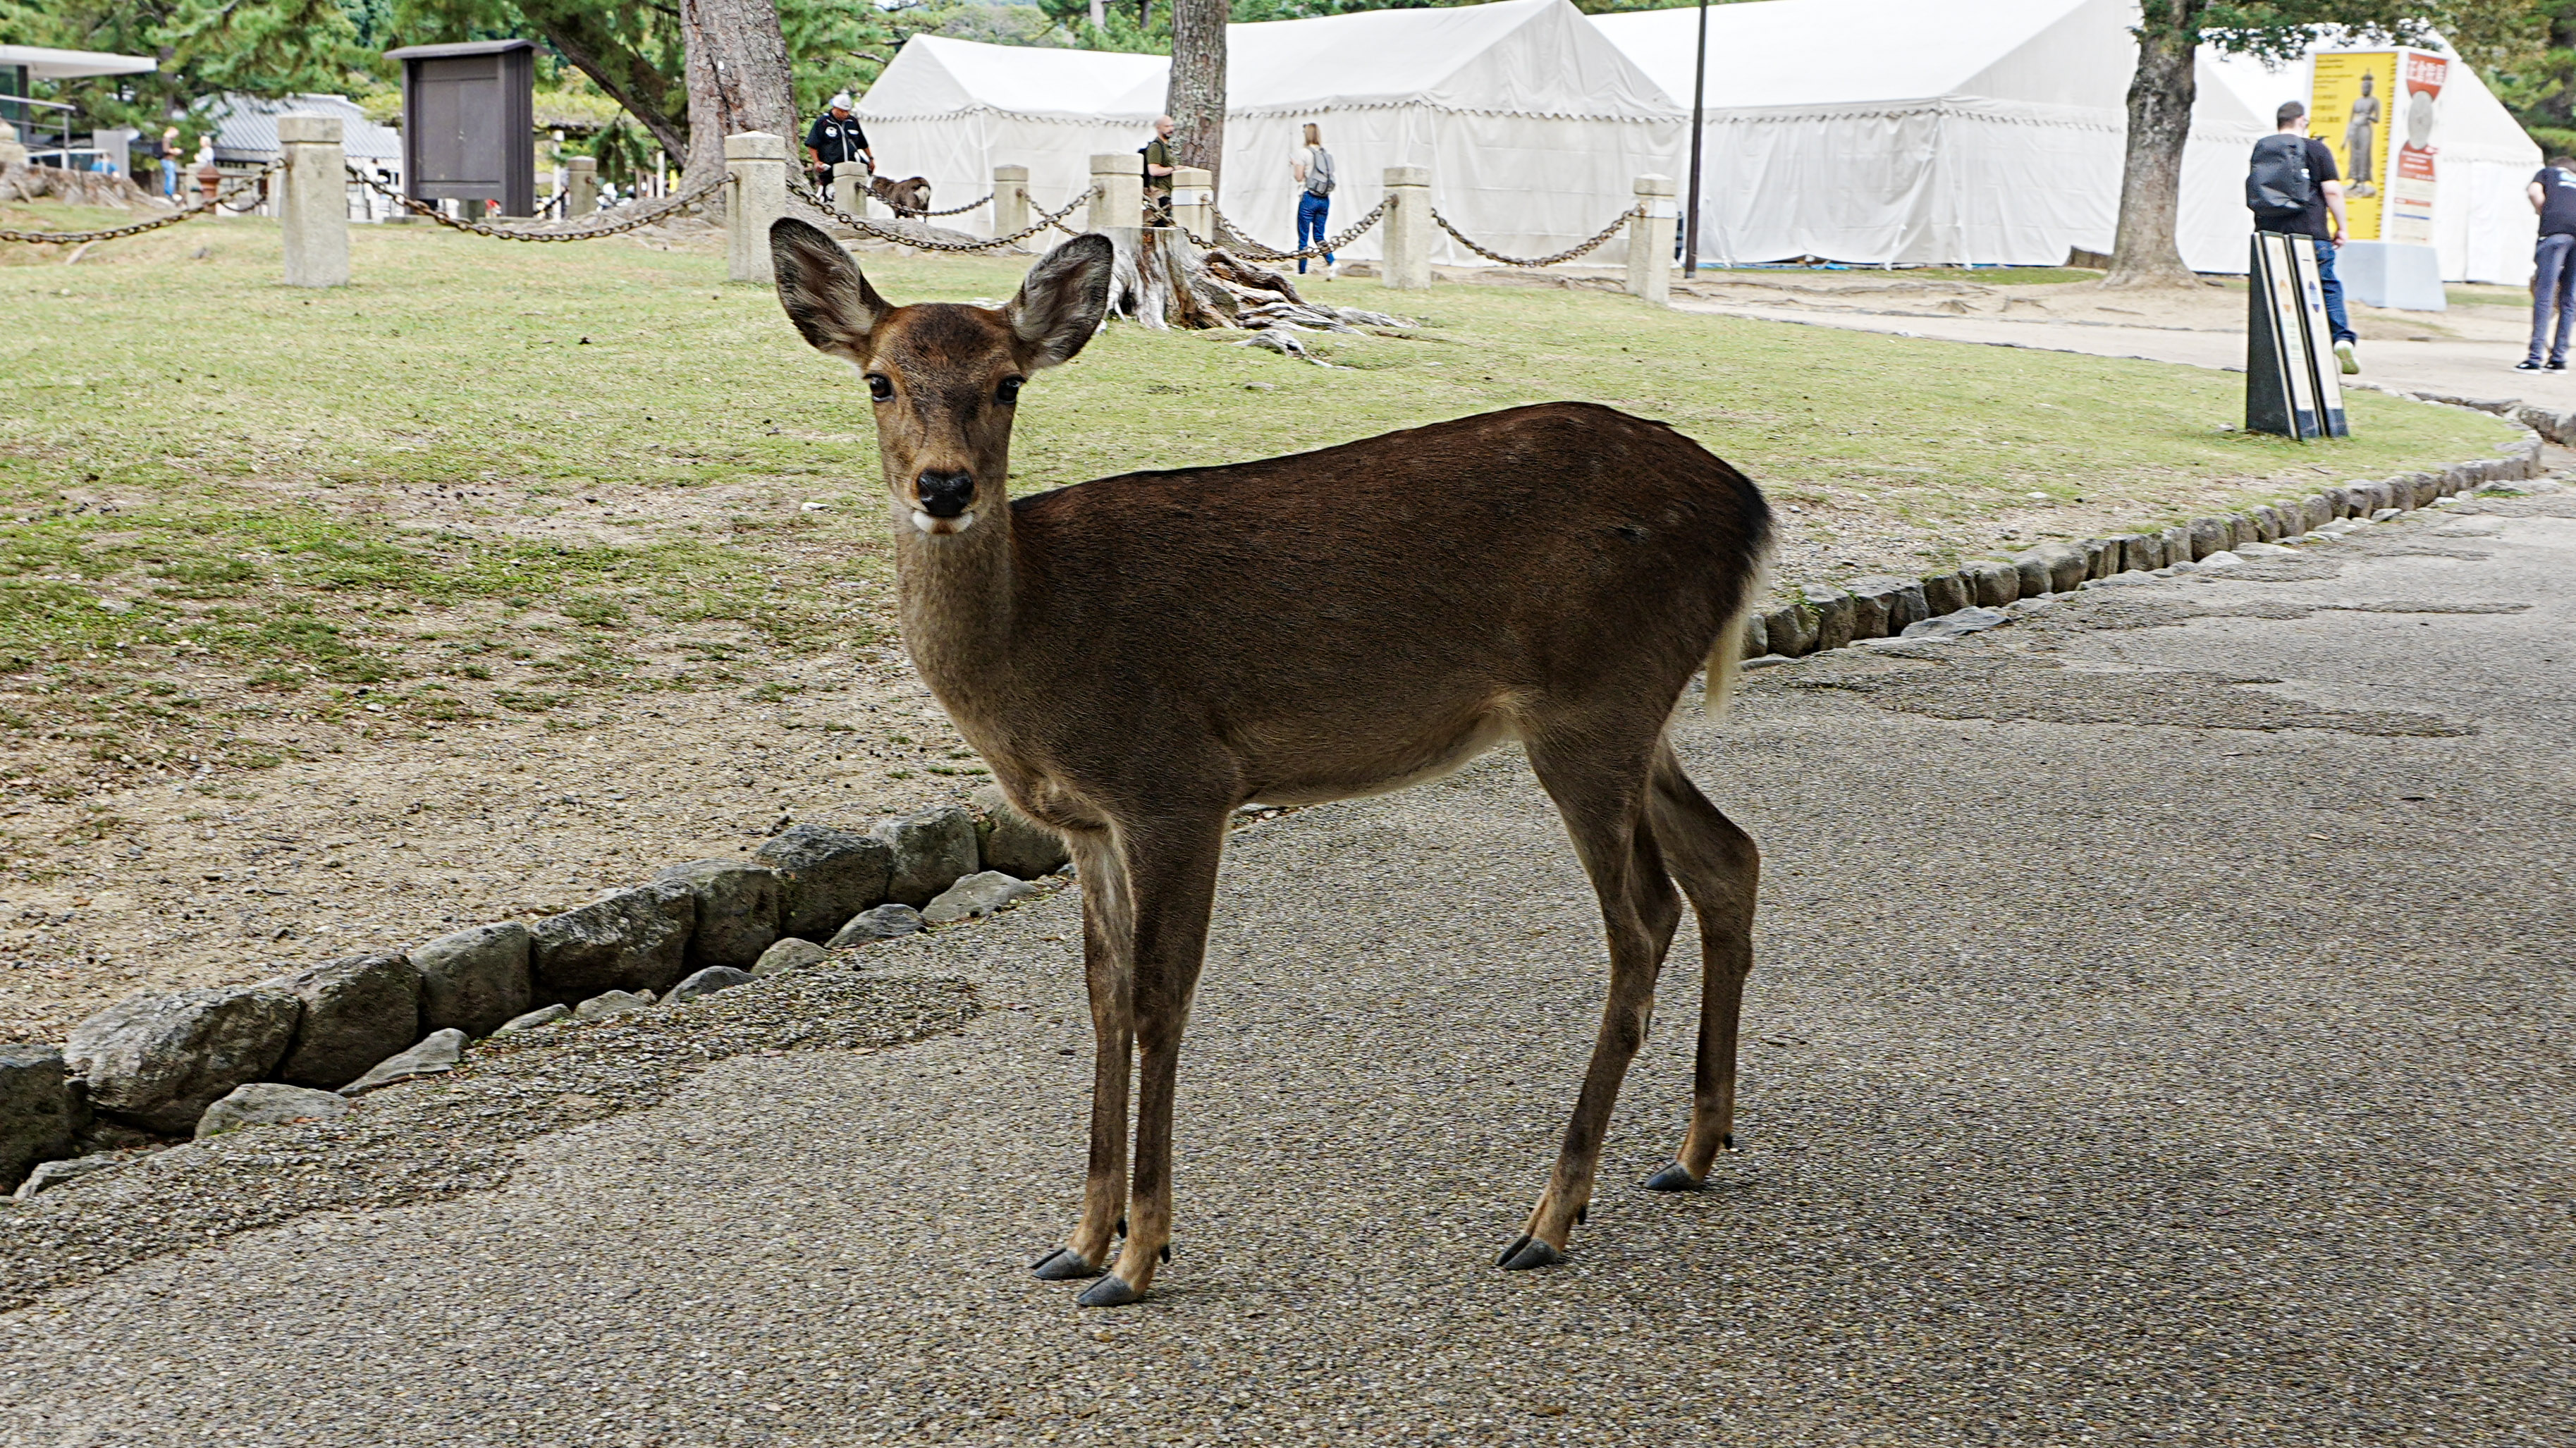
{"points": [[850, 186], [581, 185], [1010, 200], [1120, 198], [11, 153], [1407, 228], [1650, 240], [1194, 201], [756, 165], [315, 211]]}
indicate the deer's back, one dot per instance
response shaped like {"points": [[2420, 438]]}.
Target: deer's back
{"points": [[1561, 549]]}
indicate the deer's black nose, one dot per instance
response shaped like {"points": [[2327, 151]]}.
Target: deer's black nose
{"points": [[945, 495]]}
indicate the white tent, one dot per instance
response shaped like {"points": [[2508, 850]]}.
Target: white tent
{"points": [[1889, 131], [952, 110], [1993, 132], [1535, 127], [2483, 159]]}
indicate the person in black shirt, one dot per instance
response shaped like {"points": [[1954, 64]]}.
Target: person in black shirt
{"points": [[2553, 277], [836, 137], [2325, 202]]}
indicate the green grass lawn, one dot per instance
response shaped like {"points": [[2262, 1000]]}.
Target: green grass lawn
{"points": [[2479, 294], [499, 477], [1998, 276]]}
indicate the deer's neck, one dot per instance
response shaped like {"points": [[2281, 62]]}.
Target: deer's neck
{"points": [[955, 596]]}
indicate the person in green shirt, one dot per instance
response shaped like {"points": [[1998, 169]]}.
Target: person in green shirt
{"points": [[1159, 167]]}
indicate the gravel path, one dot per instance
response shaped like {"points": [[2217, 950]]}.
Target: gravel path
{"points": [[2161, 1037]]}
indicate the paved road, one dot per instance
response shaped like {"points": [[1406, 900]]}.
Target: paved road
{"points": [[2162, 1037], [2450, 365]]}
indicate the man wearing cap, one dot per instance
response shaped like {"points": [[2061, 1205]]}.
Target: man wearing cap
{"points": [[836, 137]]}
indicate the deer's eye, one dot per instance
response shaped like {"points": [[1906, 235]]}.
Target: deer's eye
{"points": [[1009, 391], [880, 386]]}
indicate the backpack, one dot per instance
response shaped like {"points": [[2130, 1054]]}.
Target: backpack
{"points": [[2277, 184], [1319, 171]]}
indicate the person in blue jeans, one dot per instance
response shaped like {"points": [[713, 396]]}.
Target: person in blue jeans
{"points": [[2325, 202], [1313, 168], [2553, 276]]}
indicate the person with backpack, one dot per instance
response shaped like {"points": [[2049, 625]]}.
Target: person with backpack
{"points": [[1313, 168], [2553, 275], [2293, 190], [1162, 162]]}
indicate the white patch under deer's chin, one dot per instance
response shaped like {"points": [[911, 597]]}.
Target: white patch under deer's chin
{"points": [[938, 526]]}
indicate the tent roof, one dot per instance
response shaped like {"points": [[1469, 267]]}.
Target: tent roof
{"points": [[1773, 53], [1527, 57], [46, 63], [1523, 57], [934, 75]]}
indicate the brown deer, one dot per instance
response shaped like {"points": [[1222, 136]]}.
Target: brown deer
{"points": [[1139, 656], [908, 197]]}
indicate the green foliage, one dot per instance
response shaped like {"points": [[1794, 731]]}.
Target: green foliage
{"points": [[2539, 85], [2483, 30]]}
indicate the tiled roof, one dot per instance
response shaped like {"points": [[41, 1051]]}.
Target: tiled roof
{"points": [[246, 127]]}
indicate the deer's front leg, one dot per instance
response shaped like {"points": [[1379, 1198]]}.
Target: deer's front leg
{"points": [[1172, 873], [1107, 955]]}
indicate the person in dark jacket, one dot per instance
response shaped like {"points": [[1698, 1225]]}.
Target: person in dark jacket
{"points": [[2553, 276], [836, 137]]}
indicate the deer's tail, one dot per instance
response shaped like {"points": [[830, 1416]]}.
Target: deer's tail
{"points": [[1726, 656]]}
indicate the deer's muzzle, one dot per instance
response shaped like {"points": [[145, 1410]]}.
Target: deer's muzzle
{"points": [[945, 495]]}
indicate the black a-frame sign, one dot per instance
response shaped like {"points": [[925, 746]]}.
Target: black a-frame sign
{"points": [[2291, 385]]}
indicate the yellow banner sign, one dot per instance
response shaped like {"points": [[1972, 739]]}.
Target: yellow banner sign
{"points": [[2374, 109], [2349, 108]]}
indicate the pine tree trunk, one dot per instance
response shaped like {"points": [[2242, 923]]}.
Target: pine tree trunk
{"points": [[737, 80], [1196, 97], [2160, 100]]}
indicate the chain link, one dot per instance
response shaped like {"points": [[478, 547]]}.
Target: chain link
{"points": [[865, 227], [429, 210], [1569, 254], [951, 211], [1263, 251], [200, 207]]}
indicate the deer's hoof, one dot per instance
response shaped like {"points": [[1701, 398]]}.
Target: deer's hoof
{"points": [[1526, 1253], [1063, 1265], [1673, 1178], [1110, 1291]]}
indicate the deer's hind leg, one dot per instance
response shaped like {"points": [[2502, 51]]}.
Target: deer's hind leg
{"points": [[1603, 799], [1108, 962], [1720, 870]]}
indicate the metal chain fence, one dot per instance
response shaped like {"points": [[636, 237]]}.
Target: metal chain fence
{"points": [[951, 211], [1569, 254], [429, 210], [1263, 251], [203, 206], [865, 227]]}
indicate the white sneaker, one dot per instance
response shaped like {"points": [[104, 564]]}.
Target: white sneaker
{"points": [[2351, 364], [1332, 271]]}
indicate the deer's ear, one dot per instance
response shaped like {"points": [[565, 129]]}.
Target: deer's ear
{"points": [[1060, 303], [823, 291]]}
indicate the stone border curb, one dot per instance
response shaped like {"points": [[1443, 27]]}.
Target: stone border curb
{"points": [[1817, 618], [157, 1067]]}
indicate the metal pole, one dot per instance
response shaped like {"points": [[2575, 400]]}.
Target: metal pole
{"points": [[1699, 102]]}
